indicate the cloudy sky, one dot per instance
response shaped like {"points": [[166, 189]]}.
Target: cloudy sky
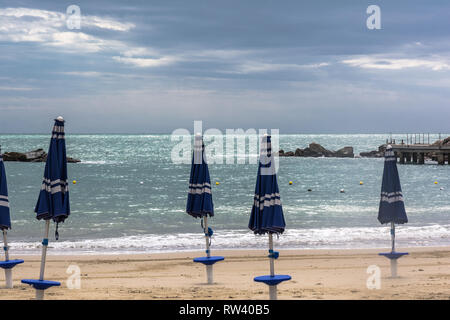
{"points": [[154, 66]]}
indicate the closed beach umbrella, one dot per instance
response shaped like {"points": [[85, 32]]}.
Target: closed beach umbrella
{"points": [[392, 206], [267, 212], [5, 224], [5, 218], [53, 202], [199, 202]]}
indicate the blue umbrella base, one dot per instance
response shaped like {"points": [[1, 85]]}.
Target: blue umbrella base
{"points": [[272, 280], [10, 263], [393, 255], [41, 284], [209, 260]]}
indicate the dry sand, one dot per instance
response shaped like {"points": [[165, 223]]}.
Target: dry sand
{"points": [[316, 274]]}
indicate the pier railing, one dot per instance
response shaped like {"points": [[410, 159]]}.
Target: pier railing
{"points": [[416, 147]]}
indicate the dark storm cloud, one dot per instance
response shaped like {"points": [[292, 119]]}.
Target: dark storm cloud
{"points": [[153, 66]]}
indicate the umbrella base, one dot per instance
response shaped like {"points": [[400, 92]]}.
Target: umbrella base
{"points": [[272, 280], [393, 255], [41, 284], [209, 260], [10, 263]]}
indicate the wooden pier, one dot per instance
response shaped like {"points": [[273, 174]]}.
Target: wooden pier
{"points": [[416, 153]]}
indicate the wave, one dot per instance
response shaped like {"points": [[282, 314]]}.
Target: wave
{"points": [[319, 238]]}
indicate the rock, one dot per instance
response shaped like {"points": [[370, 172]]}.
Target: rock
{"points": [[316, 150], [14, 156], [72, 160], [445, 142], [298, 152], [38, 155], [345, 152], [374, 153]]}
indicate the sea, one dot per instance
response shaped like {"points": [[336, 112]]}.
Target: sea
{"points": [[130, 197]]}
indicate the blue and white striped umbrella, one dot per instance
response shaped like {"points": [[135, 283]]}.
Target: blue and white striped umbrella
{"points": [[267, 212], [199, 202], [392, 207], [53, 202], [5, 218], [5, 224]]}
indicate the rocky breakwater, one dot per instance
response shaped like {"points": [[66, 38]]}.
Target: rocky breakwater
{"points": [[443, 143], [316, 150], [38, 155], [374, 153]]}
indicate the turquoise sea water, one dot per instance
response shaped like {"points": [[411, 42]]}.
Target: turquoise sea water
{"points": [[130, 197]]}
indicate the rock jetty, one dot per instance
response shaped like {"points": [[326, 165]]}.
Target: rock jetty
{"points": [[374, 153], [316, 150], [38, 155]]}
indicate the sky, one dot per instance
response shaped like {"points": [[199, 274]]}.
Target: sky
{"points": [[158, 65]]}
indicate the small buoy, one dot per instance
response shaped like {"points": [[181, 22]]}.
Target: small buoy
{"points": [[435, 182], [290, 182], [142, 182], [342, 191], [74, 181], [309, 190], [361, 183], [217, 183]]}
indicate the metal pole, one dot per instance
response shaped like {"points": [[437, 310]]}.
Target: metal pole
{"points": [[44, 249], [393, 261], [39, 292], [205, 220], [272, 267], [209, 268], [8, 272], [393, 236], [5, 247], [272, 289]]}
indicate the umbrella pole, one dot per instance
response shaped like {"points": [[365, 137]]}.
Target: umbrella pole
{"points": [[272, 289], [393, 236], [209, 268], [5, 247], [40, 293], [393, 261], [205, 220], [8, 272]]}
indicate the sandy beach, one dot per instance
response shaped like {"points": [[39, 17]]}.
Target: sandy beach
{"points": [[316, 274]]}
